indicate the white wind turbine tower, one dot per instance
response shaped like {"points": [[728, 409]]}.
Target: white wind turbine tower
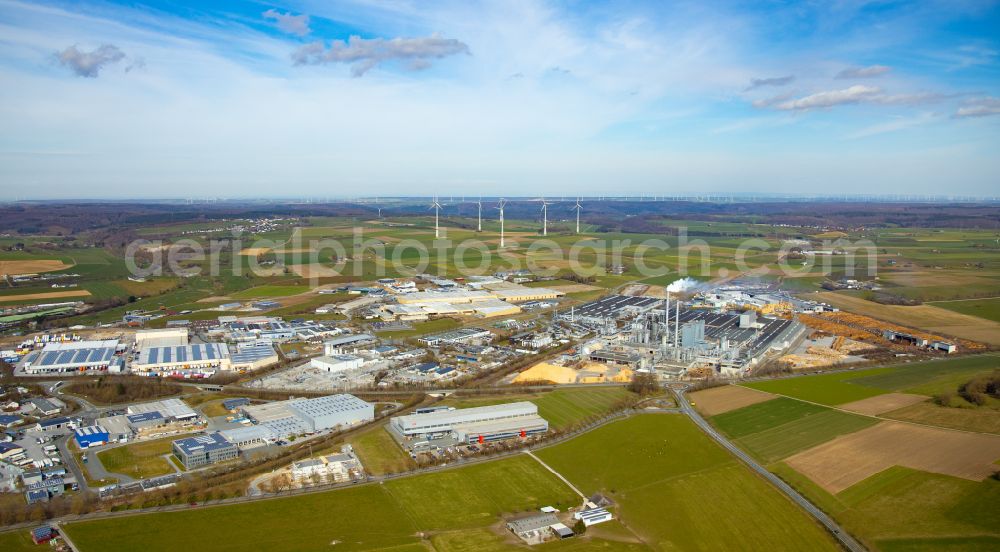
{"points": [[500, 206], [577, 207], [479, 224], [545, 217], [437, 210]]}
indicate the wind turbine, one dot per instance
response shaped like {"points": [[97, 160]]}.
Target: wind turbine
{"points": [[437, 210], [479, 224], [545, 217], [577, 207], [500, 205]]}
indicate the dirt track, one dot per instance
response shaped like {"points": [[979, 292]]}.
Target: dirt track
{"points": [[718, 400], [850, 459], [46, 295], [873, 406]]}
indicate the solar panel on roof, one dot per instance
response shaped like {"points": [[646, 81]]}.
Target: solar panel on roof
{"points": [[196, 352], [153, 355]]}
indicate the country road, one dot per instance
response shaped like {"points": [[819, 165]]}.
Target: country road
{"points": [[845, 539]]}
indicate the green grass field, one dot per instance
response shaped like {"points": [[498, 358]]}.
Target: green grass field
{"points": [[983, 308], [829, 389], [778, 428], [931, 377], [379, 453], [18, 541], [369, 517], [677, 490], [905, 509], [562, 407], [262, 292], [138, 460]]}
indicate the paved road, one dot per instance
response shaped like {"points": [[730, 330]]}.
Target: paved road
{"points": [[845, 539], [62, 443]]}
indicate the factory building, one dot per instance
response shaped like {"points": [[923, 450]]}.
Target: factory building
{"points": [[337, 363], [456, 296], [170, 337], [520, 294], [248, 357], [250, 437], [331, 411], [179, 360], [300, 416], [90, 436], [73, 356], [172, 409], [203, 450], [480, 424]]}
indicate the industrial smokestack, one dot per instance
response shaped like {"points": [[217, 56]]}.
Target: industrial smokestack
{"points": [[677, 323]]}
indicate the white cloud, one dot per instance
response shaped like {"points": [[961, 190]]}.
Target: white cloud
{"points": [[89, 64], [770, 81], [830, 98], [863, 72], [979, 107], [288, 23], [363, 54]]}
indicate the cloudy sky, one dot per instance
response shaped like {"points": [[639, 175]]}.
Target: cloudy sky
{"points": [[390, 97]]}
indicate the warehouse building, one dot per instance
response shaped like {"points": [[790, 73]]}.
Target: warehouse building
{"points": [[91, 436], [250, 437], [170, 337], [171, 409], [253, 357], [73, 356], [203, 450], [456, 296], [480, 424], [199, 358], [337, 363], [332, 410]]}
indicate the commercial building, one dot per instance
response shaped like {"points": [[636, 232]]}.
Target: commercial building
{"points": [[299, 416], [456, 296], [195, 452], [520, 294], [203, 357], [249, 357], [480, 424], [249, 437], [73, 356], [170, 337], [171, 409], [91, 436], [335, 345], [337, 363], [331, 411]]}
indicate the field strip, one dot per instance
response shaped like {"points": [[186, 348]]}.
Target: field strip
{"points": [[931, 426], [557, 474]]}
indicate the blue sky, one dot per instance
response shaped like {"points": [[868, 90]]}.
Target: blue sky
{"points": [[390, 97]]}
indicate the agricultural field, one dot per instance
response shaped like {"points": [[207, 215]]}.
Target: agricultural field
{"points": [[138, 460], [982, 308], [562, 407], [829, 389], [660, 467], [902, 509], [367, 517], [781, 427], [718, 400], [264, 292]]}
